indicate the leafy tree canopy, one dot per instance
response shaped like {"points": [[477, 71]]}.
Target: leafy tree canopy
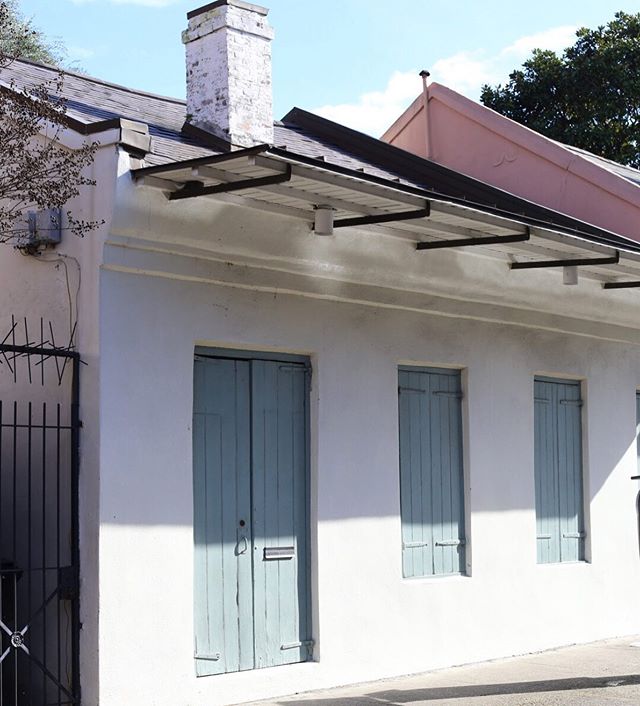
{"points": [[36, 170], [588, 97], [20, 39]]}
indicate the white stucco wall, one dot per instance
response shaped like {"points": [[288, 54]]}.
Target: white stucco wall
{"points": [[35, 287], [179, 276]]}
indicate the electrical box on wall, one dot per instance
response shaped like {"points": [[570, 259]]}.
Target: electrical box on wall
{"points": [[44, 229]]}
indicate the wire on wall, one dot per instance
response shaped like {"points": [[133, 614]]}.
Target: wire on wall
{"points": [[72, 301]]}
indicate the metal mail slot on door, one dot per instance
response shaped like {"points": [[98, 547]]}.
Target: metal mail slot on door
{"points": [[274, 553]]}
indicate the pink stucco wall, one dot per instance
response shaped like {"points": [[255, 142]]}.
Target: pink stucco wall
{"points": [[472, 139]]}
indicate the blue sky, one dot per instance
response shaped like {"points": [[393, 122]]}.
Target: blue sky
{"points": [[355, 61]]}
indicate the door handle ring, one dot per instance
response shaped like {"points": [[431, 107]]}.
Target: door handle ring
{"points": [[245, 545]]}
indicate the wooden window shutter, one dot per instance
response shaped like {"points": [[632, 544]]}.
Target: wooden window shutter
{"points": [[558, 470], [431, 472]]}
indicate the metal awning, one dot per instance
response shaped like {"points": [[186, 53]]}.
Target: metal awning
{"points": [[275, 180]]}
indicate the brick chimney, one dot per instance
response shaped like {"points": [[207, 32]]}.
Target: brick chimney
{"points": [[228, 52]]}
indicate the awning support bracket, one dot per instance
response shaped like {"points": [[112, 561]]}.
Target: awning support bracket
{"points": [[195, 188], [383, 218], [466, 242], [534, 264], [621, 285]]}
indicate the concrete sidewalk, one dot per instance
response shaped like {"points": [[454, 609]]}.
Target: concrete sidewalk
{"points": [[589, 675]]}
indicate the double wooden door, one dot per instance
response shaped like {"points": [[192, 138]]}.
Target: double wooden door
{"points": [[251, 498]]}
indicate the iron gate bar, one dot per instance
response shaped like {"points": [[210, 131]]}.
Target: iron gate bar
{"points": [[383, 218], [29, 555], [621, 285], [75, 552], [466, 242], [612, 260], [43, 468], [195, 188], [38, 351]]}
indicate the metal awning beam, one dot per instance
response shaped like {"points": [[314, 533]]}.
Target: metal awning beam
{"points": [[576, 262], [194, 189], [370, 215], [289, 191], [387, 193], [466, 242], [437, 228], [474, 215], [382, 218], [367, 200], [621, 285]]}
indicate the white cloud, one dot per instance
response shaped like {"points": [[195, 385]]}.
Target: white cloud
{"points": [[375, 111], [143, 3], [556, 39], [465, 72], [78, 53]]}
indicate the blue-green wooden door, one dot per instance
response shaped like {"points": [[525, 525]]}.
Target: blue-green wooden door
{"points": [[250, 514], [558, 470], [280, 543]]}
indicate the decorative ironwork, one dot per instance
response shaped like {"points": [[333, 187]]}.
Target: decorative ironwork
{"points": [[39, 555], [18, 344]]}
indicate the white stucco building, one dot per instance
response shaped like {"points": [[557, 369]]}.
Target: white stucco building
{"points": [[308, 460]]}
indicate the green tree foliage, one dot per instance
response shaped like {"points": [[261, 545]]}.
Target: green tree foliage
{"points": [[20, 39], [588, 97]]}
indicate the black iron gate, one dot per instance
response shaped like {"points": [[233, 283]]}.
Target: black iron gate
{"points": [[39, 563]]}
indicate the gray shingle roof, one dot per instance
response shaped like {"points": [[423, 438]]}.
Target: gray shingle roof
{"points": [[91, 101], [306, 136]]}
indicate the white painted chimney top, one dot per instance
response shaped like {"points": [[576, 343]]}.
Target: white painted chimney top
{"points": [[228, 53]]}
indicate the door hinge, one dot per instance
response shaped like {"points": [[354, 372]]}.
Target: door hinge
{"points": [[214, 657], [414, 545], [295, 645]]}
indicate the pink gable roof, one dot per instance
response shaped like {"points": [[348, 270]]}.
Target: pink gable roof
{"points": [[477, 141]]}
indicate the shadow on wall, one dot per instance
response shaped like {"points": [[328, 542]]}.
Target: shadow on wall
{"points": [[396, 696], [147, 475]]}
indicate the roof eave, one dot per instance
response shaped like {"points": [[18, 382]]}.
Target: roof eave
{"points": [[560, 155], [599, 237]]}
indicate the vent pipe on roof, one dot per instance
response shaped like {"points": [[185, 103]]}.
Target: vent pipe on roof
{"points": [[228, 54], [424, 75]]}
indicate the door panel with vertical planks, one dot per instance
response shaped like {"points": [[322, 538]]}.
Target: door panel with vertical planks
{"points": [[250, 445], [222, 454]]}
